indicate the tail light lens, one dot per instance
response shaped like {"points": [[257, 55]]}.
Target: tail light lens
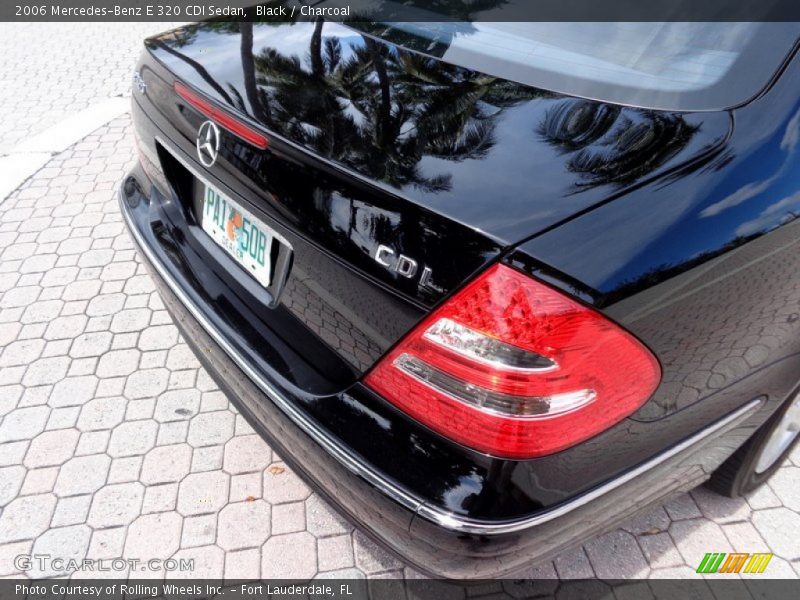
{"points": [[513, 368]]}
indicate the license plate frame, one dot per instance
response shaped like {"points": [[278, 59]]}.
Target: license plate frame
{"points": [[246, 238]]}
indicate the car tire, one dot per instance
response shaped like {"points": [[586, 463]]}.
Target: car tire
{"points": [[755, 462]]}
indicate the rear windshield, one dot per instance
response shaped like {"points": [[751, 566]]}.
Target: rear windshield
{"points": [[674, 66]]}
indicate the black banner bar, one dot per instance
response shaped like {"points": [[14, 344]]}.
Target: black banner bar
{"points": [[421, 589], [402, 10]]}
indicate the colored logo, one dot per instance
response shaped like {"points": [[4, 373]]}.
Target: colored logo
{"points": [[233, 225], [737, 562], [233, 229]]}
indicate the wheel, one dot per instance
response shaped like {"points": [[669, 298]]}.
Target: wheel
{"points": [[762, 455]]}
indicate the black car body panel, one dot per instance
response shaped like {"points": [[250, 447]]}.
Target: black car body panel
{"points": [[453, 141], [365, 481], [550, 184]]}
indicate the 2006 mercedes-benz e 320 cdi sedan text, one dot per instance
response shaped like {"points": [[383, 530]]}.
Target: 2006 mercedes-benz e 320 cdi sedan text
{"points": [[489, 287]]}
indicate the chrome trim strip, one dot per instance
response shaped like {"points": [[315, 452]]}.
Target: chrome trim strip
{"points": [[488, 528], [356, 465]]}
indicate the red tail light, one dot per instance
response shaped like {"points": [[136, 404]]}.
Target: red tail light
{"points": [[513, 368], [232, 124]]}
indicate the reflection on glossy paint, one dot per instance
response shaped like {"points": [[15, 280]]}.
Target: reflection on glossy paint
{"points": [[609, 147], [447, 138], [540, 158]]}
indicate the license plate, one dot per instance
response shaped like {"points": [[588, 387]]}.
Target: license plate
{"points": [[246, 238]]}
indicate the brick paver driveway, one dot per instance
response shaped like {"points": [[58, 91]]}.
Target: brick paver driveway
{"points": [[114, 442]]}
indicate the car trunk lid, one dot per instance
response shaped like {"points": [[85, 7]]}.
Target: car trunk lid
{"points": [[380, 158]]}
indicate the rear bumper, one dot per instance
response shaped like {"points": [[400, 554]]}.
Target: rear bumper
{"points": [[430, 538]]}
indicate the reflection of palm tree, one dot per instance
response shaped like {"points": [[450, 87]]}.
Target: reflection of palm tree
{"points": [[382, 109], [460, 108], [612, 147], [248, 70], [571, 126], [379, 110]]}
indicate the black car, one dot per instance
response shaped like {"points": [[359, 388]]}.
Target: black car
{"points": [[489, 287]]}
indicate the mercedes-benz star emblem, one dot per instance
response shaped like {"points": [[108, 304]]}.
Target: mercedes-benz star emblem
{"points": [[208, 143]]}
